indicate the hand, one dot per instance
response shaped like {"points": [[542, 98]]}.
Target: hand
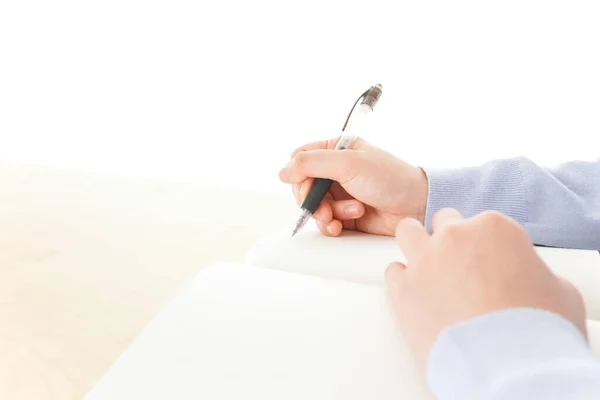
{"points": [[372, 189], [467, 268]]}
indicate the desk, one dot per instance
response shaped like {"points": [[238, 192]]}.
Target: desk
{"points": [[86, 260]]}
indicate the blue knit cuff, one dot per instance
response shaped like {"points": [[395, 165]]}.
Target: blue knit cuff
{"points": [[496, 185]]}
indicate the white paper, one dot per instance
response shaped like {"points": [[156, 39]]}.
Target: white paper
{"points": [[239, 332], [242, 332]]}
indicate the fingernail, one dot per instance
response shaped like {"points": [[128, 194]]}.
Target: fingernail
{"points": [[330, 229], [352, 209]]}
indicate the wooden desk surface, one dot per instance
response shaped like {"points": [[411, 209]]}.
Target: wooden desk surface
{"points": [[86, 260]]}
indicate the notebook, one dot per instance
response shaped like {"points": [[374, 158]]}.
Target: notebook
{"points": [[298, 326], [358, 257]]}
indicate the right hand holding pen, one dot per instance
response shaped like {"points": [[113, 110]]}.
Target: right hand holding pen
{"points": [[372, 190]]}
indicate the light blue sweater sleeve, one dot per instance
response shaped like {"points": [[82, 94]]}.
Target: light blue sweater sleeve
{"points": [[558, 207], [516, 354]]}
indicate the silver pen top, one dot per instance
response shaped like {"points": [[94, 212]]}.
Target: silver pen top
{"points": [[372, 96]]}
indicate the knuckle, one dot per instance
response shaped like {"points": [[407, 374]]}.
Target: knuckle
{"points": [[444, 212], [451, 230], [494, 220], [358, 142], [300, 160], [493, 216], [501, 226], [320, 215]]}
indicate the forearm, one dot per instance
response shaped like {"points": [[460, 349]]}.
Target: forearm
{"points": [[558, 207], [513, 354]]}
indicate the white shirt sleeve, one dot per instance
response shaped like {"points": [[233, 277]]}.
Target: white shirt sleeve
{"points": [[516, 354]]}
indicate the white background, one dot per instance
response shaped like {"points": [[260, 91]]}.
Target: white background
{"points": [[222, 91]]}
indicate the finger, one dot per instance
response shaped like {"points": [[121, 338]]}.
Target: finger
{"points": [[322, 227], [339, 166], [394, 279], [329, 144], [323, 213], [318, 145], [347, 209], [305, 187], [301, 189], [443, 217], [412, 237], [333, 228]]}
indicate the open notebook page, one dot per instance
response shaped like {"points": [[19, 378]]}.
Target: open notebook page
{"points": [[241, 332], [359, 257]]}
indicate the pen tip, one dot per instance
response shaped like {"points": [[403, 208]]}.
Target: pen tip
{"points": [[304, 217]]}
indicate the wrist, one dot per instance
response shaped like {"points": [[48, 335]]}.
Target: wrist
{"points": [[421, 192]]}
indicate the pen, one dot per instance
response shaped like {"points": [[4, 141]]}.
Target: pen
{"points": [[321, 186]]}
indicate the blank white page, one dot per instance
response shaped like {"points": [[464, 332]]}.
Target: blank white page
{"points": [[239, 332]]}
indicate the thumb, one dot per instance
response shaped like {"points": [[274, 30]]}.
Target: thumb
{"points": [[336, 165]]}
